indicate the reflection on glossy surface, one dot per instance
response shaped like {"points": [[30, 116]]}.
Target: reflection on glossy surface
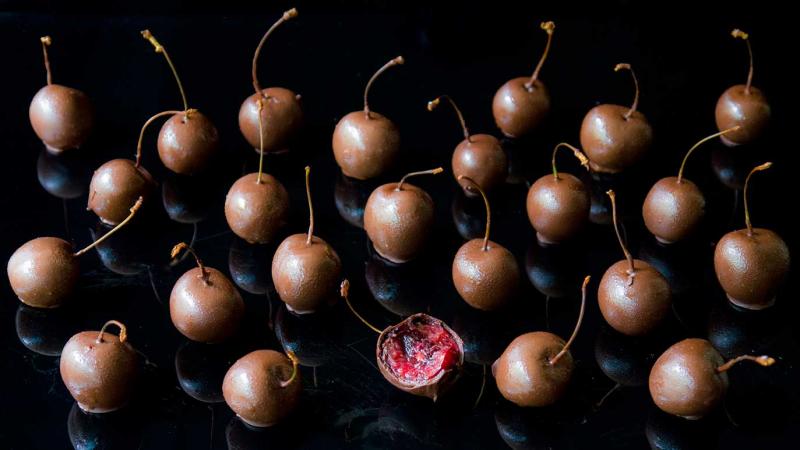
{"points": [[625, 360], [350, 196], [469, 216], [678, 263], [187, 199], [123, 252], [668, 432], [398, 288], [733, 331], [373, 428], [731, 165], [65, 176], [485, 335], [241, 436], [527, 428], [201, 367], [249, 265], [553, 270], [117, 430], [44, 331], [310, 336]]}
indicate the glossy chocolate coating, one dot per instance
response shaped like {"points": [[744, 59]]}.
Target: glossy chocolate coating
{"points": [[62, 117], [684, 379], [252, 388], [518, 110], [482, 159], [43, 272], [672, 211], [256, 211], [612, 142], [638, 308], [187, 142], [115, 187], [100, 375], [398, 222], [558, 208], [365, 146], [205, 311], [524, 374], [750, 111], [486, 280], [283, 118], [751, 268], [306, 275]]}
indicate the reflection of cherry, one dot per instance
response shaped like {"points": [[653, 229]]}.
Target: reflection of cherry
{"points": [[398, 288], [249, 266], [117, 430], [43, 331], [351, 196], [63, 176], [200, 369]]}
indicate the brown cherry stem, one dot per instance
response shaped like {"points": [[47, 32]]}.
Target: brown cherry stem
{"points": [[763, 360], [293, 358], [310, 208], [764, 166], [184, 246], [549, 28], [344, 291], [564, 350], [435, 171], [737, 33], [578, 154], [698, 144], [393, 62], [160, 49], [435, 102], [260, 104], [46, 41], [144, 128], [631, 270], [94, 244], [287, 15], [635, 104], [123, 331], [488, 209]]}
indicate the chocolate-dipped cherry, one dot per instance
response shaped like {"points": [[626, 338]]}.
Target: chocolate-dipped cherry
{"points": [[281, 113], [615, 137], [558, 206], [263, 387], [43, 272], [61, 116], [751, 263], [420, 355], [365, 143], [535, 368], [398, 218], [743, 105], [100, 369], [689, 379], [674, 206], [521, 104], [633, 296], [485, 273], [204, 305], [188, 140], [306, 269], [478, 157]]}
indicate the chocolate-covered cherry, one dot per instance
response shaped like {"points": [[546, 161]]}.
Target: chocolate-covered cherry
{"points": [[61, 116], [100, 369], [521, 104], [751, 263], [615, 137]]}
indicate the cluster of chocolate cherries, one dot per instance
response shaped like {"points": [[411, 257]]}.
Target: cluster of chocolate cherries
{"points": [[421, 354]]}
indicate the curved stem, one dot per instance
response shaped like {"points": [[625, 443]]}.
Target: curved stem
{"points": [[435, 102], [764, 166], [160, 49], [94, 244], [578, 154], [310, 208], [736, 33], [483, 387], [260, 104], [698, 144], [635, 104], [123, 331], [763, 360], [393, 62], [290, 14], [631, 270], [564, 350], [344, 291], [292, 357], [488, 209], [184, 246], [435, 171], [144, 127], [549, 28], [46, 41]]}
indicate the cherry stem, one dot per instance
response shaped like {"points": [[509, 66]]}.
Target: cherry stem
{"points": [[393, 62], [160, 49], [184, 246], [435, 171], [488, 209], [698, 144], [483, 388], [763, 360], [123, 331], [435, 102], [635, 104], [578, 154], [564, 350], [344, 291], [94, 244], [737, 33], [631, 270], [293, 358], [764, 166], [549, 28], [260, 104], [310, 208], [46, 41], [144, 128], [287, 15]]}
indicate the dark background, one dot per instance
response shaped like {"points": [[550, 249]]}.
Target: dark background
{"points": [[684, 58]]}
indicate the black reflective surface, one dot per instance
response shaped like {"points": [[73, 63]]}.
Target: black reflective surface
{"points": [[327, 55]]}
